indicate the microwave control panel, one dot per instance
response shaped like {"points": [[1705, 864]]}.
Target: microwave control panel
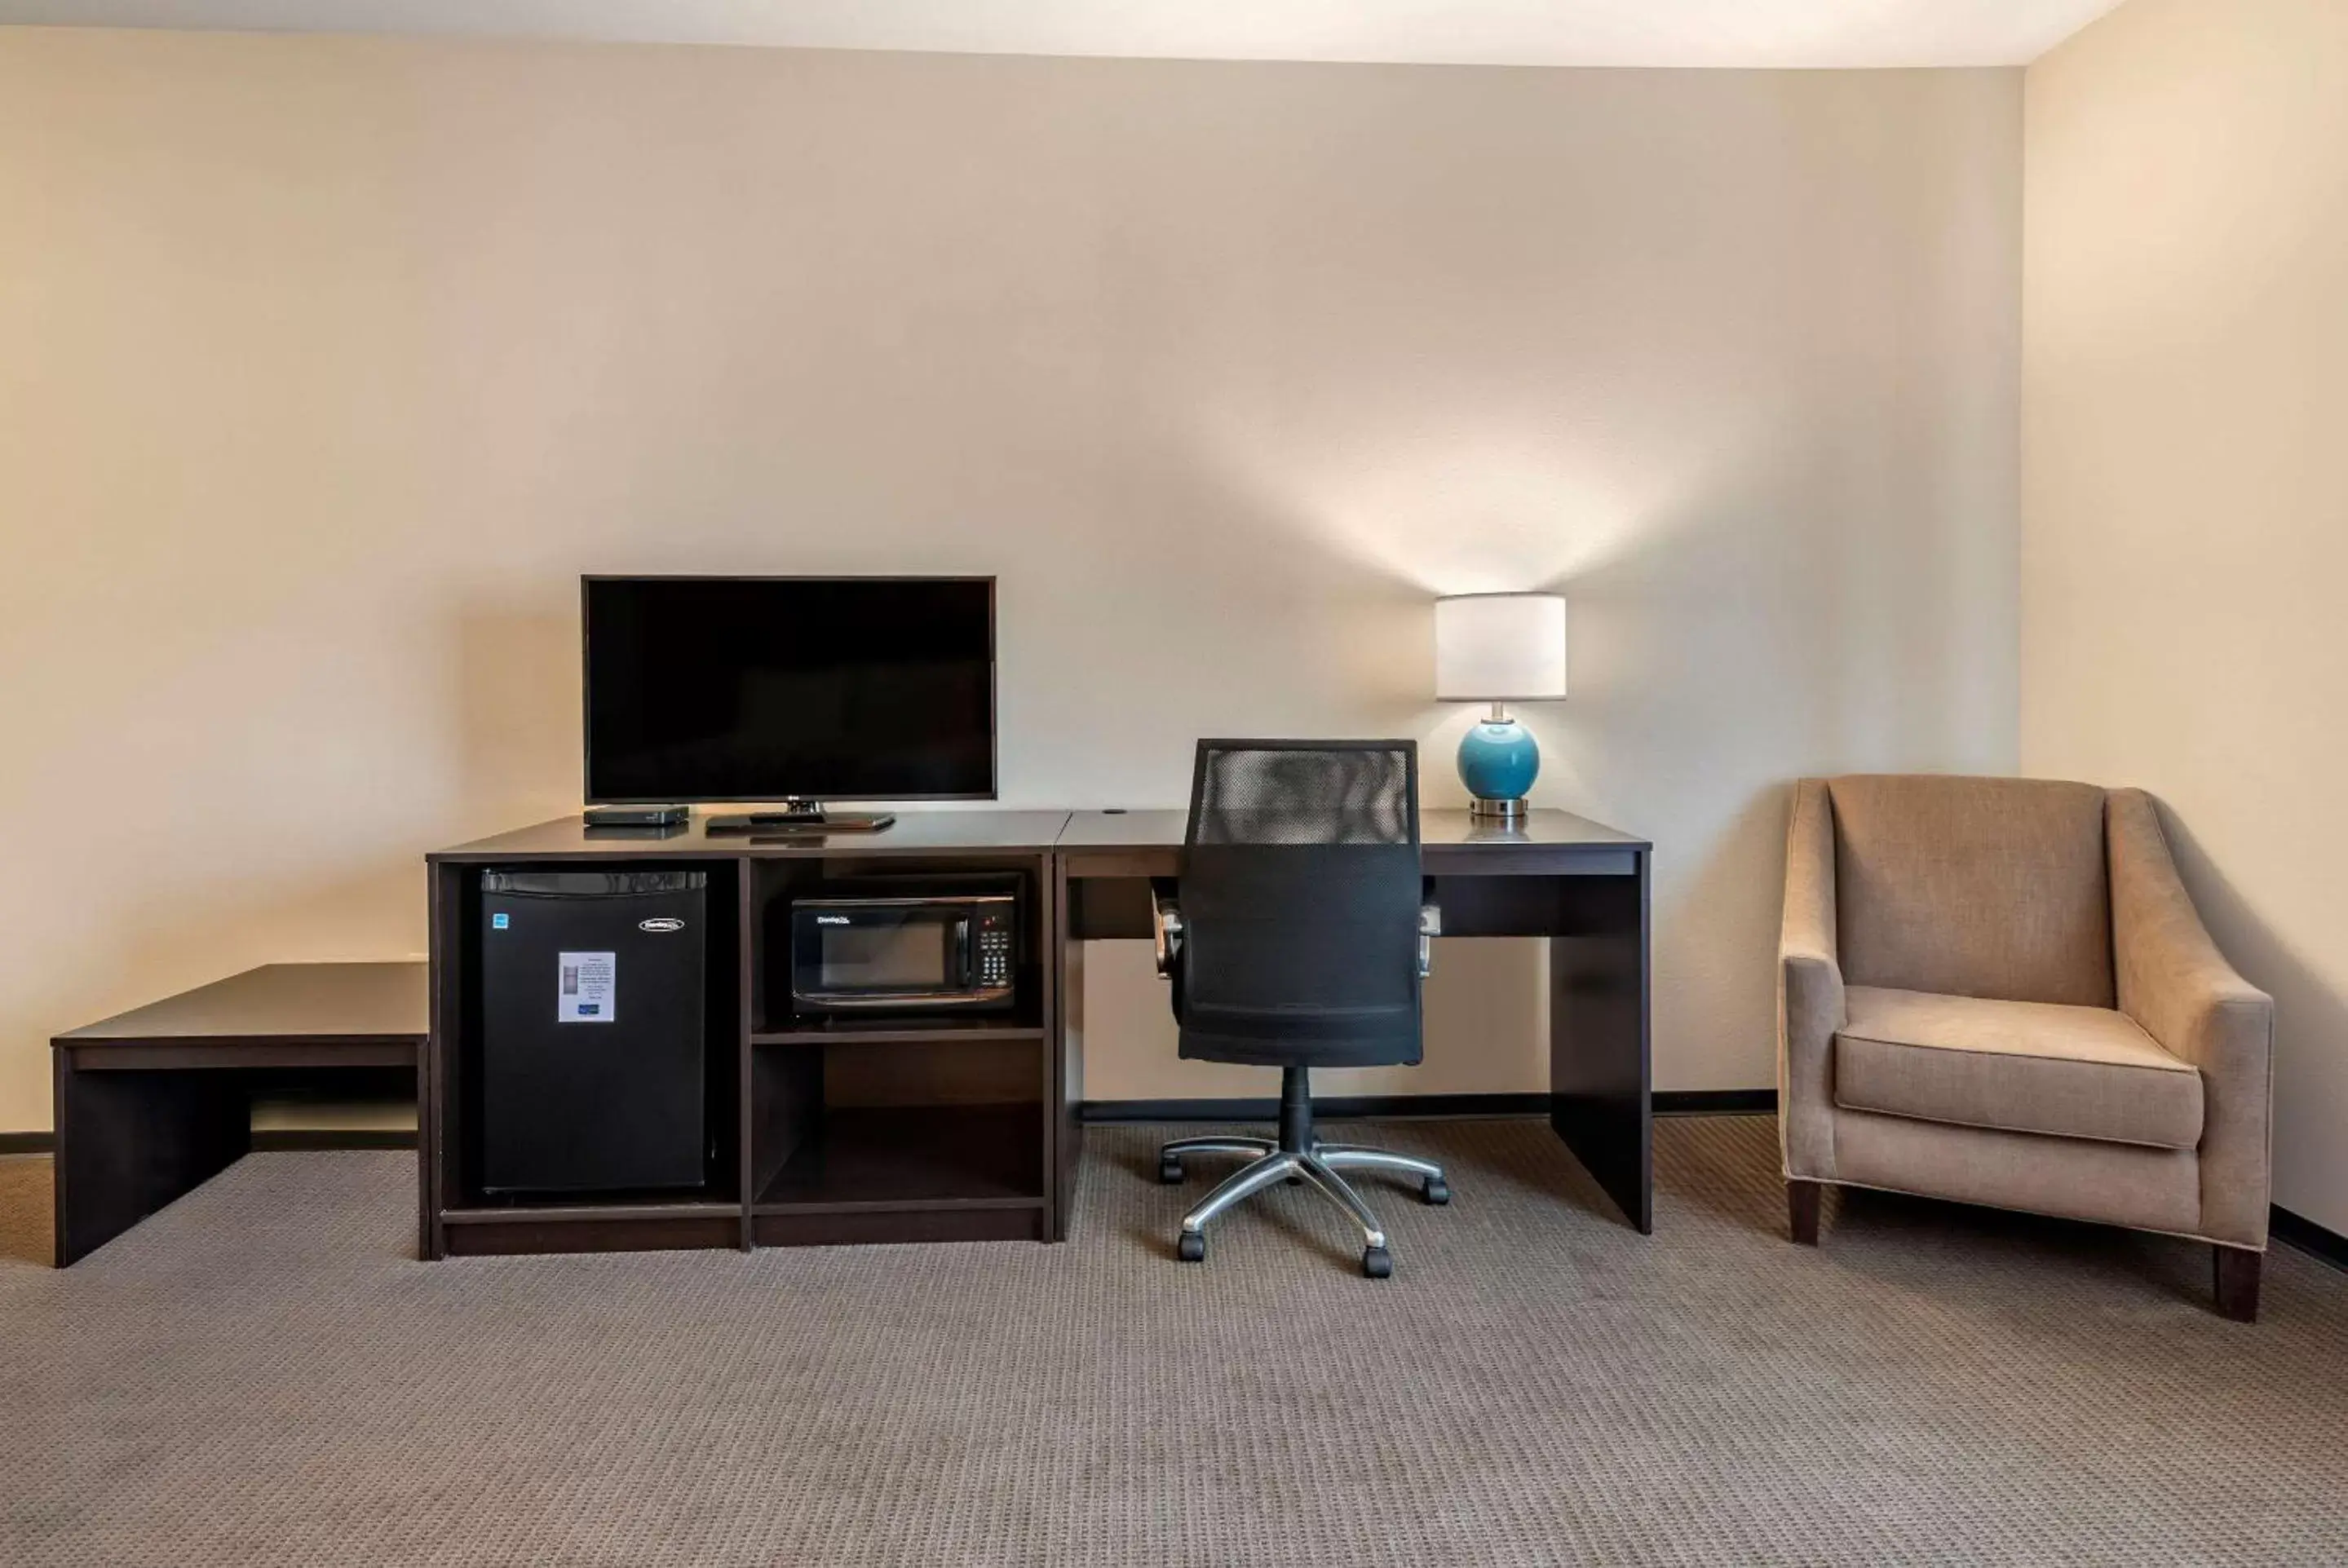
{"points": [[992, 928]]}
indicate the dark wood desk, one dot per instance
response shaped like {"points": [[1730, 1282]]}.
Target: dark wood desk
{"points": [[154, 1101], [1582, 885], [975, 1132]]}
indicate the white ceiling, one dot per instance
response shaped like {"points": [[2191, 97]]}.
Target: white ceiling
{"points": [[1717, 33]]}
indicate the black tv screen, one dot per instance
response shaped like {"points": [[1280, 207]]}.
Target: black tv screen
{"points": [[772, 688]]}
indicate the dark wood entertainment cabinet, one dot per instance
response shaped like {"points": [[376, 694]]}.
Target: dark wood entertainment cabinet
{"points": [[966, 1128], [905, 1128]]}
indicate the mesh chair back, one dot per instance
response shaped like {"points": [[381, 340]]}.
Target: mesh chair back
{"points": [[1300, 893], [1304, 791]]}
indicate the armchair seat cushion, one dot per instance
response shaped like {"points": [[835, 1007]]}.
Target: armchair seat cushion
{"points": [[2020, 1066]]}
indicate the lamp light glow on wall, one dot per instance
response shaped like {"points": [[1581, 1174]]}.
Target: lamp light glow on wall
{"points": [[1500, 647]]}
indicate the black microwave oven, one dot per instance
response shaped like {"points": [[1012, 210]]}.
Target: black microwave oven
{"points": [[853, 952]]}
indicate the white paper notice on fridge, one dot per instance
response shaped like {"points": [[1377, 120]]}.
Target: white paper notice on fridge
{"points": [[588, 988]]}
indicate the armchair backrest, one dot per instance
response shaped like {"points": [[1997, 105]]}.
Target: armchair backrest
{"points": [[1972, 886], [1300, 896]]}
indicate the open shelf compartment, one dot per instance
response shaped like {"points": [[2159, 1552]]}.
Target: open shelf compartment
{"points": [[776, 883], [892, 1157], [908, 1124]]}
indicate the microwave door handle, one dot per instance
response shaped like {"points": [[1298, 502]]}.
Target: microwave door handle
{"points": [[965, 975]]}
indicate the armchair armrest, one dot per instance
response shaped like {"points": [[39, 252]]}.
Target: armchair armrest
{"points": [[1810, 1003], [2174, 982]]}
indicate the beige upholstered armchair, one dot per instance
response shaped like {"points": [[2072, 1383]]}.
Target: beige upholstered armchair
{"points": [[1996, 991]]}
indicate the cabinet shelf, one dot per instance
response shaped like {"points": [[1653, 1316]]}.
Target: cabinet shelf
{"points": [[878, 1159], [897, 1031], [589, 1212]]}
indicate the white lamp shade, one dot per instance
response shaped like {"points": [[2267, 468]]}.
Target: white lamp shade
{"points": [[1500, 647]]}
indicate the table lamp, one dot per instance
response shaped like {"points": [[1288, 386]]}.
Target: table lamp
{"points": [[1500, 647]]}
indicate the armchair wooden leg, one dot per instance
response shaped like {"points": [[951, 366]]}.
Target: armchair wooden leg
{"points": [[1802, 1211], [2237, 1273]]}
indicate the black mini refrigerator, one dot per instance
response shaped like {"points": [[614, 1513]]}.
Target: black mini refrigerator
{"points": [[594, 985]]}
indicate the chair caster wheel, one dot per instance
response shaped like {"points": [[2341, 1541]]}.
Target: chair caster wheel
{"points": [[1171, 1172], [1377, 1263], [1192, 1248], [1436, 1191]]}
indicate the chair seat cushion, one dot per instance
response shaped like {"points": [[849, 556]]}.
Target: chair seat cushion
{"points": [[2022, 1067]]}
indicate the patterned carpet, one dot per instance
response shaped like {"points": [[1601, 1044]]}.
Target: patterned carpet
{"points": [[262, 1375]]}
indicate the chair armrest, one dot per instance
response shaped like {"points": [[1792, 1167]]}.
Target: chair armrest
{"points": [[1430, 925], [1810, 1003], [1164, 929], [2180, 989]]}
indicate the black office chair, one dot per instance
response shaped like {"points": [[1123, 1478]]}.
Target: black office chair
{"points": [[1297, 937]]}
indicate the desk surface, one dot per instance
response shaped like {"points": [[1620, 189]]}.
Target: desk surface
{"points": [[347, 1002], [1438, 829], [1451, 831], [913, 833]]}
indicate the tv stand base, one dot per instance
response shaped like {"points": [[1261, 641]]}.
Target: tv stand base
{"points": [[813, 818]]}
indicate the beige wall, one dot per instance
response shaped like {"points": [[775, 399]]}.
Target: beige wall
{"points": [[2185, 533], [329, 364]]}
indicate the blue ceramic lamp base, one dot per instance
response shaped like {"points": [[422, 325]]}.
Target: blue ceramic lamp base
{"points": [[1498, 762]]}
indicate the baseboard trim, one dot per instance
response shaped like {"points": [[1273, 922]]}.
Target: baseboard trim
{"points": [[2317, 1241], [1716, 1102], [1673, 1103], [274, 1141], [313, 1140], [2309, 1237], [1267, 1109], [1669, 1102]]}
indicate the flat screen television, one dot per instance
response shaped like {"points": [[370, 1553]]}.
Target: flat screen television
{"points": [[789, 687]]}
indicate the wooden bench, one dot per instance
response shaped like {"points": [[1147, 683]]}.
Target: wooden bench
{"points": [[155, 1102]]}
